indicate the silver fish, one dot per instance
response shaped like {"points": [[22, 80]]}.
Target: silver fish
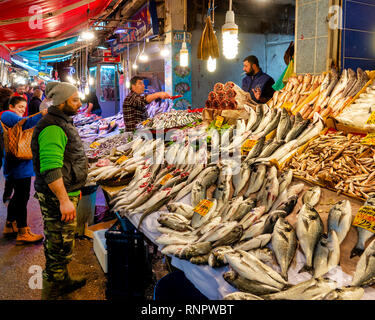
{"points": [[252, 216], [313, 289], [217, 258], [166, 239], [230, 208], [298, 128], [271, 148], [326, 254], [256, 150], [345, 293], [241, 296], [195, 249], [271, 189], [222, 191], [173, 249], [284, 125], [255, 229], [263, 254], [203, 259], [240, 179], [340, 219], [202, 182], [246, 285], [218, 231], [312, 196], [284, 245], [175, 222], [309, 228], [250, 267], [259, 117], [254, 243], [364, 274], [285, 180], [243, 209], [232, 237], [181, 208], [256, 179]]}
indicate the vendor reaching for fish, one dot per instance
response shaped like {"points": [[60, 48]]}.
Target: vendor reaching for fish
{"points": [[134, 106], [256, 82]]}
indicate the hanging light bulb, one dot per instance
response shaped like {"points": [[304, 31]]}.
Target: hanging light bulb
{"points": [[87, 90], [143, 57], [81, 95], [211, 64], [184, 54], [87, 35], [134, 66], [164, 52], [127, 83], [230, 35], [91, 81]]}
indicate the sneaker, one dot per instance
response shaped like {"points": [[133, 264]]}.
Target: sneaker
{"points": [[10, 229], [25, 236]]}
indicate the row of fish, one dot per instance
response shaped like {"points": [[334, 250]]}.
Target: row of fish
{"points": [[340, 161], [357, 113], [172, 119]]}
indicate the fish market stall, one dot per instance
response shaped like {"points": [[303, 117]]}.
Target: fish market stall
{"points": [[255, 201]]}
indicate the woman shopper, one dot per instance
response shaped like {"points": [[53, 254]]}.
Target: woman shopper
{"points": [[20, 173], [35, 101]]}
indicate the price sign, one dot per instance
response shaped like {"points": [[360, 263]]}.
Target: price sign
{"points": [[287, 105], [371, 120], [166, 178], [122, 159], [94, 145], [248, 145], [219, 121], [365, 218], [369, 139], [203, 207], [112, 123], [145, 122]]}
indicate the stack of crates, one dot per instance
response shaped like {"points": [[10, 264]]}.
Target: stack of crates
{"points": [[129, 265]]}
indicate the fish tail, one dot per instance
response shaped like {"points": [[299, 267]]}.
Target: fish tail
{"points": [[356, 252]]}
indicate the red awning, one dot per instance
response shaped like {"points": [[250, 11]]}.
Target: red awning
{"points": [[28, 23]]}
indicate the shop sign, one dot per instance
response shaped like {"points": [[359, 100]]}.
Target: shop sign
{"points": [[203, 207], [109, 58], [365, 218]]}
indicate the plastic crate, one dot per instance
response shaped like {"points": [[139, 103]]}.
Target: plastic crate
{"points": [[129, 266], [100, 248]]}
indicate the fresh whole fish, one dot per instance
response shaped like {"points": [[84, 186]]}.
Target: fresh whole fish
{"points": [[241, 296], [256, 150], [313, 289], [259, 117], [166, 239], [263, 254], [309, 228], [340, 219], [256, 179], [195, 249], [345, 293], [270, 190], [181, 208], [250, 267], [255, 229], [364, 274], [219, 231], [232, 237], [312, 196], [284, 125], [173, 249], [240, 179], [298, 128], [175, 222], [243, 209], [217, 257], [197, 220], [202, 182], [254, 243], [284, 245], [252, 216], [246, 285], [285, 180], [326, 254]]}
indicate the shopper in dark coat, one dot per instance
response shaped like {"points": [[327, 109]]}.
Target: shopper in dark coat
{"points": [[35, 101]]}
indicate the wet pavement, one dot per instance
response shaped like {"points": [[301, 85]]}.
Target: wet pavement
{"points": [[18, 264]]}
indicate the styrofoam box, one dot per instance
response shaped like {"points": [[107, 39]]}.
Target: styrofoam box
{"points": [[100, 248]]}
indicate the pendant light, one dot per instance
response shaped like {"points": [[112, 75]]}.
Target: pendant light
{"points": [[230, 35], [143, 57], [211, 63], [184, 53]]}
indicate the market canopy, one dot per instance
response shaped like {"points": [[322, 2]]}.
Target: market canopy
{"points": [[27, 24]]}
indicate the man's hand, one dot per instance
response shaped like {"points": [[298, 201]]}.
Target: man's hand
{"points": [[68, 211], [164, 95], [257, 93]]}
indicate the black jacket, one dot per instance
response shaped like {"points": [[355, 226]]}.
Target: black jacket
{"points": [[34, 105], [75, 164]]}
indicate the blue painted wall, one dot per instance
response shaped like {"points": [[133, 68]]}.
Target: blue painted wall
{"points": [[358, 34]]}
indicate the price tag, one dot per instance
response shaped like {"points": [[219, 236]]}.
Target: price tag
{"points": [[145, 122], [112, 123], [371, 120], [369, 139], [166, 178], [365, 218], [248, 145], [203, 207], [219, 121], [94, 145], [122, 159]]}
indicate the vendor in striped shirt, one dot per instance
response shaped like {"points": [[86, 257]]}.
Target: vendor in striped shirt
{"points": [[134, 106]]}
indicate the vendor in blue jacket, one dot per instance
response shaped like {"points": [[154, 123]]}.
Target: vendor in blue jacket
{"points": [[256, 82], [19, 172]]}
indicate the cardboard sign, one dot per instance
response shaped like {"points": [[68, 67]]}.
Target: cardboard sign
{"points": [[287, 105], [203, 207], [365, 218], [371, 120], [94, 145], [122, 159], [369, 139], [219, 121], [145, 122], [248, 145], [166, 178]]}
